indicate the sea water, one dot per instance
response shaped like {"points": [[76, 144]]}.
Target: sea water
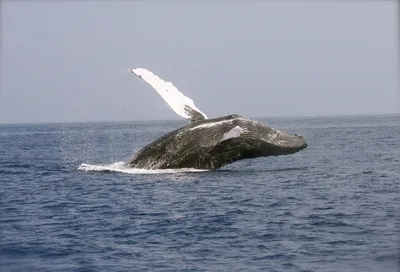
{"points": [[68, 203]]}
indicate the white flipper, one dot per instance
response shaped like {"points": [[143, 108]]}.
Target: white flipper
{"points": [[180, 103]]}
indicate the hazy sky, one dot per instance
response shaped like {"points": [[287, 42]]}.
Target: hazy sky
{"points": [[65, 60]]}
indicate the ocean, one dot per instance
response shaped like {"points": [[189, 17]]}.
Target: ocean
{"points": [[68, 204]]}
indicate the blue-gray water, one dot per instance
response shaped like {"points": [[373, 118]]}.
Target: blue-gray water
{"points": [[331, 207]]}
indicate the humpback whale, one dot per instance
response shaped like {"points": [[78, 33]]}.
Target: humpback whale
{"points": [[208, 143]]}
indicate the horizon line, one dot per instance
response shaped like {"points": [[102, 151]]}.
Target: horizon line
{"points": [[183, 120]]}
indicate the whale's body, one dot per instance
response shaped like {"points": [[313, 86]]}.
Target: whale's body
{"points": [[209, 143]]}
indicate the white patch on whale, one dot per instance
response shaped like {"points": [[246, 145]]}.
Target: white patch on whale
{"points": [[175, 99], [233, 133], [208, 125]]}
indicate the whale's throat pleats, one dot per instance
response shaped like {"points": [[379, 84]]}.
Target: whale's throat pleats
{"points": [[181, 104]]}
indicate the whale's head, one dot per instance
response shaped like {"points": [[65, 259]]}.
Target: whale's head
{"points": [[267, 141], [231, 138], [236, 126]]}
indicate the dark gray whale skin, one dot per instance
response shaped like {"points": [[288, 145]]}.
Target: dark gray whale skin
{"points": [[199, 145]]}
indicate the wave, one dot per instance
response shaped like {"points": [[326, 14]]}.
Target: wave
{"points": [[120, 167]]}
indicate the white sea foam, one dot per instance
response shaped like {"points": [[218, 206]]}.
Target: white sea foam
{"points": [[120, 167]]}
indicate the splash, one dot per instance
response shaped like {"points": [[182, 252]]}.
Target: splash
{"points": [[120, 167]]}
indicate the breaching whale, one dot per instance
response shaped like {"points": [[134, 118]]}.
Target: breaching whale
{"points": [[208, 143]]}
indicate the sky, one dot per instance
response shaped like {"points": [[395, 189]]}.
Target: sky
{"points": [[66, 61]]}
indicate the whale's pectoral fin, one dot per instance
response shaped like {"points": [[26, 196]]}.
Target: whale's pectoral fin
{"points": [[194, 115], [181, 104]]}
